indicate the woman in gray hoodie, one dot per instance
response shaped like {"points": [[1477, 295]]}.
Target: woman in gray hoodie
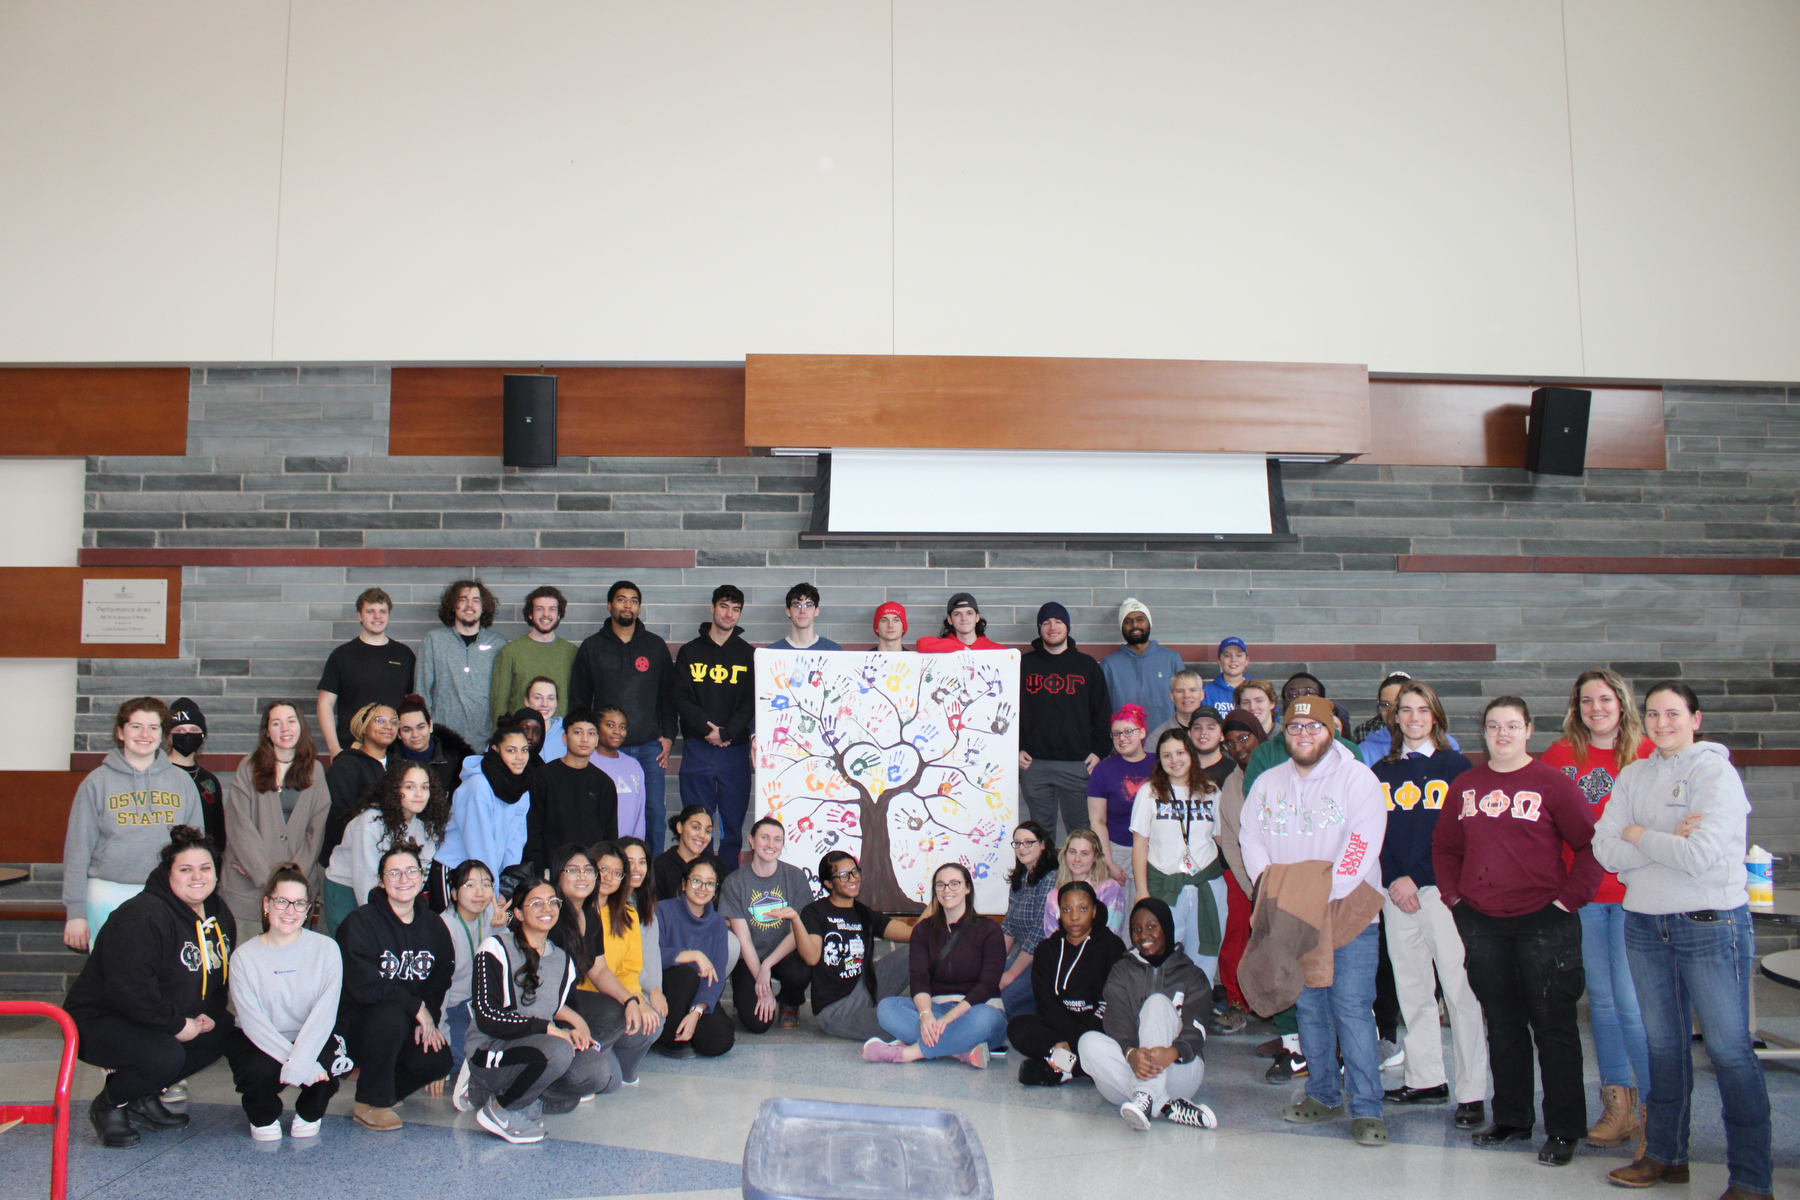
{"points": [[121, 819], [1675, 832]]}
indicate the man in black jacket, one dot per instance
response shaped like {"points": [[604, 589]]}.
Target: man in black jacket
{"points": [[715, 687], [1065, 723], [628, 667]]}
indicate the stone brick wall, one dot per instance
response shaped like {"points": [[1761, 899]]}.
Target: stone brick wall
{"points": [[295, 457]]}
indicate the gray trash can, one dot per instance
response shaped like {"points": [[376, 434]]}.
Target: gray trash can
{"points": [[814, 1150]]}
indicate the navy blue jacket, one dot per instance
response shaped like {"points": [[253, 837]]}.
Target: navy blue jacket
{"points": [[1414, 788]]}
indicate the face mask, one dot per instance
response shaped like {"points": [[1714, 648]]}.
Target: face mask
{"points": [[186, 743]]}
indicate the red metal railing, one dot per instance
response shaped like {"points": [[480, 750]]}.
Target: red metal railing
{"points": [[56, 1113]]}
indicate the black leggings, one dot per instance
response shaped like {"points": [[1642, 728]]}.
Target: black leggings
{"points": [[1035, 1037], [258, 1079], [144, 1061], [790, 975], [713, 1034], [382, 1043], [1387, 997]]}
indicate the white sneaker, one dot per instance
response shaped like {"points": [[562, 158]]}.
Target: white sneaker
{"points": [[515, 1125], [267, 1133], [1136, 1111], [459, 1094], [175, 1094], [305, 1129], [1393, 1055]]}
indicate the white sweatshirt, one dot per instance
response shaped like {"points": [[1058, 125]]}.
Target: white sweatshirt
{"points": [[1664, 873], [1333, 814], [286, 999]]}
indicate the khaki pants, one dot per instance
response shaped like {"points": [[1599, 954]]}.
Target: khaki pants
{"points": [[1417, 941]]}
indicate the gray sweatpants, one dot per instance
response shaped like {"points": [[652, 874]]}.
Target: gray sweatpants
{"points": [[552, 1064], [1050, 788], [853, 1016], [1104, 1059]]}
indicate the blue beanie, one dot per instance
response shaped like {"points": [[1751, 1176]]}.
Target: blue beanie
{"points": [[1053, 609]]}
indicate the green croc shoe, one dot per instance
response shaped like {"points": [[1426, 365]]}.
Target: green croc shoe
{"points": [[1369, 1131], [1311, 1112]]}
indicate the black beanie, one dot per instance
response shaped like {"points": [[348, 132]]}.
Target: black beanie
{"points": [[185, 712]]}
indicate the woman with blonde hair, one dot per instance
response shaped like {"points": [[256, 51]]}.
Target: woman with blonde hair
{"points": [[351, 776], [1602, 735], [1083, 860], [276, 808], [1259, 698]]}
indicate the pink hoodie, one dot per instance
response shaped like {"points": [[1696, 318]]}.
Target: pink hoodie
{"points": [[1334, 814]]}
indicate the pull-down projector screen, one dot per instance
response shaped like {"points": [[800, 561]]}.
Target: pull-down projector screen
{"points": [[1048, 492]]}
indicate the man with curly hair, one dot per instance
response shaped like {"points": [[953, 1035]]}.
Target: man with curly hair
{"points": [[456, 663]]}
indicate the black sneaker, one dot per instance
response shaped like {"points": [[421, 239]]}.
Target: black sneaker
{"points": [[1288, 1066], [111, 1124], [1186, 1112], [677, 1050], [1035, 1072], [147, 1112], [556, 1106]]}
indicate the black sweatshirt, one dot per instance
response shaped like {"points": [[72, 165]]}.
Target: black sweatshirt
{"points": [[718, 684], [388, 960], [147, 964], [569, 804], [1070, 981], [351, 776], [637, 676], [1064, 711]]}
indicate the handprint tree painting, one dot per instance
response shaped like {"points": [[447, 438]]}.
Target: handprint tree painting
{"points": [[907, 761]]}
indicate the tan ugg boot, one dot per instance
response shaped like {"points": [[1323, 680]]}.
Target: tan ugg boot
{"points": [[1619, 1120]]}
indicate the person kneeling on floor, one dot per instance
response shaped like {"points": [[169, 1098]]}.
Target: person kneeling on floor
{"points": [[1148, 1057], [529, 1052]]}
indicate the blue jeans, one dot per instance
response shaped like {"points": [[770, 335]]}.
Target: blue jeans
{"points": [[982, 1023], [1018, 996], [1618, 1026], [456, 1025], [1342, 1016], [656, 800], [1683, 967], [717, 778]]}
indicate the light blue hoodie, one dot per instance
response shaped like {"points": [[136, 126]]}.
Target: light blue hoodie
{"points": [[1133, 678], [483, 826], [1664, 873]]}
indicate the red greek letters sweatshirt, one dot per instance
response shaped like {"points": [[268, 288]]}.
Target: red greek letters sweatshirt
{"points": [[1499, 841]]}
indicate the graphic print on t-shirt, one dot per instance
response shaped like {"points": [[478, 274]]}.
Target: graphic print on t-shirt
{"points": [[764, 901]]}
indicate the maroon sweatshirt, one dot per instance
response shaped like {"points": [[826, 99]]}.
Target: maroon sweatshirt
{"points": [[1499, 841], [973, 967]]}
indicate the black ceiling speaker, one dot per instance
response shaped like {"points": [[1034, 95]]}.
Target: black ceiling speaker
{"points": [[1556, 439], [529, 422]]}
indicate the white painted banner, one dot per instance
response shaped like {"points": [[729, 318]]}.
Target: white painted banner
{"points": [[906, 761]]}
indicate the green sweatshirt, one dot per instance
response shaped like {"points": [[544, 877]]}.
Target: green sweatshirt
{"points": [[522, 660]]}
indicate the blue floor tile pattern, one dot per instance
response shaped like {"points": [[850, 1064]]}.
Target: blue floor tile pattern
{"points": [[215, 1156]]}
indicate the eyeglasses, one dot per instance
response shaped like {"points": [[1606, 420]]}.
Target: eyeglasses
{"points": [[852, 873], [403, 875], [283, 904], [948, 885], [384, 722], [612, 876], [543, 904], [1020, 845], [1509, 727], [1125, 733], [701, 885], [803, 606], [1306, 728], [579, 872]]}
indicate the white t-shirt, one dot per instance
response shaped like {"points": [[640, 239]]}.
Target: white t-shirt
{"points": [[1162, 824]]}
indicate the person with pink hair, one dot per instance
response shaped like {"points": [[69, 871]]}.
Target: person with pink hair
{"points": [[1114, 784]]}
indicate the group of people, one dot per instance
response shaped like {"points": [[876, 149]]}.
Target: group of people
{"points": [[507, 919]]}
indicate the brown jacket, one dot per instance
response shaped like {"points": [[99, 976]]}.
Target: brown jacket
{"points": [[1229, 810], [1295, 931], [257, 837]]}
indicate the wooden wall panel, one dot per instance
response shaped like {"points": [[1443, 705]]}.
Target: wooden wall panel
{"points": [[67, 412], [600, 411], [34, 813], [368, 556], [44, 617], [931, 402], [1444, 423]]}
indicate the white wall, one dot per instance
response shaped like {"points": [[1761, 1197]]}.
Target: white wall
{"points": [[40, 526], [1599, 187]]}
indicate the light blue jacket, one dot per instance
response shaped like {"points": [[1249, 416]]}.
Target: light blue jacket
{"points": [[1133, 678], [483, 826]]}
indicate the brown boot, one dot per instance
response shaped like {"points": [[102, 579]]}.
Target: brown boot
{"points": [[1641, 1139], [381, 1120], [1619, 1120], [1646, 1172]]}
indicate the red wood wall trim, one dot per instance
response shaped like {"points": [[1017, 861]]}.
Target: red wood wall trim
{"points": [[1544, 564], [46, 614], [71, 412], [600, 411], [1467, 424], [161, 557]]}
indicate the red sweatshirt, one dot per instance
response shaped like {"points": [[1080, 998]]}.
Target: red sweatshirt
{"points": [[1595, 779], [951, 644], [1499, 841]]}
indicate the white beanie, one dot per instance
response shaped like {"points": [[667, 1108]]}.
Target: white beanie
{"points": [[1132, 605]]}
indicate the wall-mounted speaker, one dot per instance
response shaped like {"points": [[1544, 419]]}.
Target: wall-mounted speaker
{"points": [[1556, 439], [529, 421]]}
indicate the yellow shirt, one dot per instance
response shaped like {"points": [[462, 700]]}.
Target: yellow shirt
{"points": [[624, 953]]}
